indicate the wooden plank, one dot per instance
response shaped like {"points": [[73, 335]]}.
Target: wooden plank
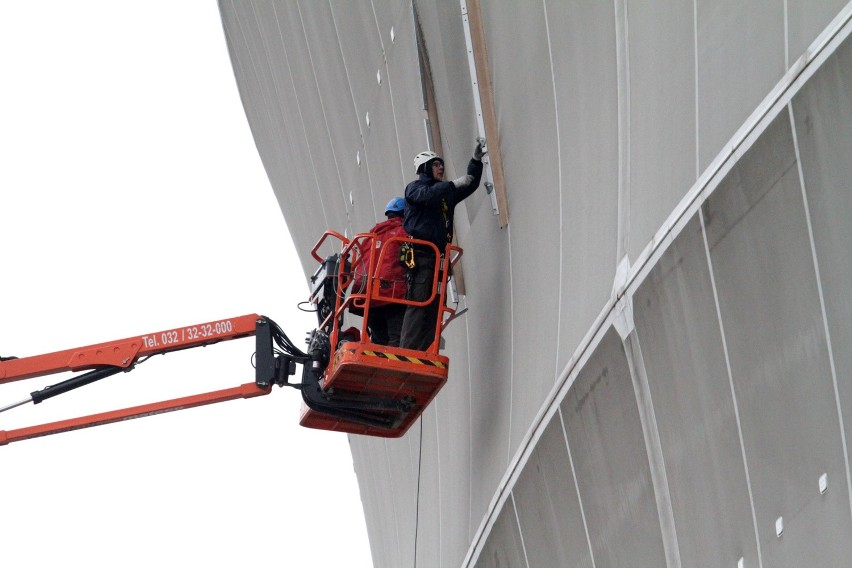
{"points": [[486, 98]]}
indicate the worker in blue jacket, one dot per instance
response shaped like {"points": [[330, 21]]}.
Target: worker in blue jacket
{"points": [[429, 206]]}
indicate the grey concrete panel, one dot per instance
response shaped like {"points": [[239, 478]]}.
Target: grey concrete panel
{"points": [[394, 121], [405, 84], [662, 114], [389, 14], [369, 197], [369, 489], [429, 526], [806, 22], [453, 423], [535, 316], [487, 273], [548, 505], [355, 25], [527, 139], [392, 493], [380, 139], [739, 44], [279, 138], [769, 302], [282, 28], [582, 38], [446, 55], [529, 149], [361, 45], [290, 124], [823, 118], [504, 546], [678, 328], [369, 459], [611, 462], [399, 499], [343, 136]]}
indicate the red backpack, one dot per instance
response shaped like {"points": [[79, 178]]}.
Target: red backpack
{"points": [[391, 272]]}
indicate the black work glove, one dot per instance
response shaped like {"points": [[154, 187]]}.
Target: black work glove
{"points": [[479, 151]]}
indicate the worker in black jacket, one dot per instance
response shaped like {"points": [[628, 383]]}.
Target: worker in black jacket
{"points": [[429, 206]]}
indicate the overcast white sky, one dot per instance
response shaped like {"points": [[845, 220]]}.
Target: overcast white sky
{"points": [[134, 201]]}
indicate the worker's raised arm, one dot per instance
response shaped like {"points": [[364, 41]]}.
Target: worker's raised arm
{"points": [[474, 173]]}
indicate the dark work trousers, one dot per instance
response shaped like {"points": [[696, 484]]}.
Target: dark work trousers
{"points": [[386, 324], [418, 326]]}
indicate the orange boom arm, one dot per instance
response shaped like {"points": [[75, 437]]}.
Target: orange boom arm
{"points": [[105, 359]]}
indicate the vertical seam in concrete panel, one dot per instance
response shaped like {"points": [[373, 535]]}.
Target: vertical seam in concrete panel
{"points": [[559, 172], [390, 90], [364, 491], [298, 106], [237, 64], [695, 62], [357, 116], [511, 346], [416, 470], [731, 385], [623, 81], [822, 306], [520, 530], [577, 487], [274, 82], [325, 119], [417, 497], [786, 36], [232, 52], [651, 433], [469, 434], [253, 64], [439, 469], [392, 498]]}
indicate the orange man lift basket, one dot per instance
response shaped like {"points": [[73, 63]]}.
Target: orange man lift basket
{"points": [[370, 389]]}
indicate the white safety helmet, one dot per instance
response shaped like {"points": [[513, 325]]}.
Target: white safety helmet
{"points": [[424, 157]]}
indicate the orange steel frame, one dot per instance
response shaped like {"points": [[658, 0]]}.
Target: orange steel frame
{"points": [[248, 390], [125, 353], [365, 242]]}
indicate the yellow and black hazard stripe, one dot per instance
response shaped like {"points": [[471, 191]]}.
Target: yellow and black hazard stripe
{"points": [[404, 358]]}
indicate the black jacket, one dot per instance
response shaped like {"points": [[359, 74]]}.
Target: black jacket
{"points": [[430, 204]]}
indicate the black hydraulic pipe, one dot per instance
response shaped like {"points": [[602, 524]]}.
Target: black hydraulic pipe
{"points": [[352, 410], [75, 382], [264, 363]]}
